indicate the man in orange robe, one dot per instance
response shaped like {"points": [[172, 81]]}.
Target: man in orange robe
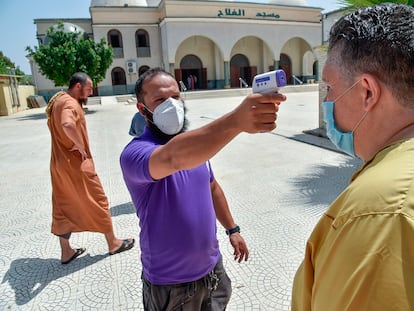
{"points": [[79, 201]]}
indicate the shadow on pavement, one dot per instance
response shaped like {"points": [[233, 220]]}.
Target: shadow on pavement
{"points": [[37, 116], [328, 182], [42, 115], [123, 209], [29, 276]]}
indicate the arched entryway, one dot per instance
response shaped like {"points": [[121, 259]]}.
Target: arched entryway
{"points": [[296, 59], [286, 65], [240, 68], [191, 72], [199, 56]]}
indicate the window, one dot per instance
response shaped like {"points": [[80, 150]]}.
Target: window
{"points": [[142, 69], [142, 43], [118, 76], [115, 40]]}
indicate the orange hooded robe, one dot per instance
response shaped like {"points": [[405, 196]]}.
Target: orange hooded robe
{"points": [[78, 199]]}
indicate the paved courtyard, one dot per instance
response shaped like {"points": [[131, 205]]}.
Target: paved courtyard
{"points": [[277, 185]]}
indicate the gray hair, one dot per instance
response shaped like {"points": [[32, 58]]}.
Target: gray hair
{"points": [[378, 40]]}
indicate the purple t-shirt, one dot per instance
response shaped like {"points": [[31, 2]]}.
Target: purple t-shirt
{"points": [[176, 215]]}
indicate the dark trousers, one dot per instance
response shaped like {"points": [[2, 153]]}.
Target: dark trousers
{"points": [[204, 294]]}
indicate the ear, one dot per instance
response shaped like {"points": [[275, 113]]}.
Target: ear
{"points": [[140, 107], [372, 91]]}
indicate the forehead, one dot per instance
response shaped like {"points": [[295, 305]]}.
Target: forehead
{"points": [[88, 82], [160, 85]]}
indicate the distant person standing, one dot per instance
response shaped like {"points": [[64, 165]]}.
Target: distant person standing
{"points": [[78, 199], [138, 122], [190, 82], [137, 125], [195, 86]]}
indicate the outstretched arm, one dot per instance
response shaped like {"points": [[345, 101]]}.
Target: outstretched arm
{"points": [[257, 113]]}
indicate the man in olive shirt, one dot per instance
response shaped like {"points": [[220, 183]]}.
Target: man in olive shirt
{"points": [[360, 255]]}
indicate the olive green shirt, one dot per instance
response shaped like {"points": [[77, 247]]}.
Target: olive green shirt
{"points": [[360, 255]]}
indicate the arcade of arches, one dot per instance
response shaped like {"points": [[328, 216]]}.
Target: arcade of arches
{"points": [[202, 65]]}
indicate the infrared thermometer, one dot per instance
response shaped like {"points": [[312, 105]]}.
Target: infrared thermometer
{"points": [[269, 82]]}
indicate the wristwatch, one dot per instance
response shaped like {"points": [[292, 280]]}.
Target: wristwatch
{"points": [[234, 230]]}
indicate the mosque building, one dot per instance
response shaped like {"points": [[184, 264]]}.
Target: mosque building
{"points": [[204, 44]]}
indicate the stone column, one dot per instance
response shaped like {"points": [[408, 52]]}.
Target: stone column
{"points": [[226, 75], [171, 68]]}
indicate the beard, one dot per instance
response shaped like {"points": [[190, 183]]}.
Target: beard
{"points": [[83, 101], [160, 134]]}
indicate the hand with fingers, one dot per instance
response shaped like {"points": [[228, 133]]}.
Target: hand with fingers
{"points": [[258, 112], [241, 252], [81, 151]]}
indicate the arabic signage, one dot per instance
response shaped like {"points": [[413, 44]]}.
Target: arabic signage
{"points": [[230, 12], [241, 12], [264, 14]]}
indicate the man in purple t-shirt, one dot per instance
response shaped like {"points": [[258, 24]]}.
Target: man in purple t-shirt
{"points": [[177, 199]]}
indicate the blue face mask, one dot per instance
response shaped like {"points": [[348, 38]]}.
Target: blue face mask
{"points": [[344, 141]]}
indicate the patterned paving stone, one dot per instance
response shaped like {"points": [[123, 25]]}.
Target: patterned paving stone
{"points": [[277, 185]]}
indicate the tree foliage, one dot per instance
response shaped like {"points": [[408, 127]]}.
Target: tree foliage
{"points": [[70, 52], [5, 63]]}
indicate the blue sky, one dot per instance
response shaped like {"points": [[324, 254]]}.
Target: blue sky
{"points": [[19, 31]]}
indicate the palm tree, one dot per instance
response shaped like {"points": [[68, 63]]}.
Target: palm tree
{"points": [[364, 3]]}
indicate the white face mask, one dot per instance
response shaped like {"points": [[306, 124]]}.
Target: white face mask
{"points": [[169, 116]]}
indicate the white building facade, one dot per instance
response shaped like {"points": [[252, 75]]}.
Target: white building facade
{"points": [[204, 44]]}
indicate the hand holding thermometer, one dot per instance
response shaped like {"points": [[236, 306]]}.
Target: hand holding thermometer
{"points": [[269, 82]]}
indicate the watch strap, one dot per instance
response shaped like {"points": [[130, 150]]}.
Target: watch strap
{"points": [[233, 230]]}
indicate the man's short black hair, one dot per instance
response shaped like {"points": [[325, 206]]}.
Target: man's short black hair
{"points": [[78, 77]]}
